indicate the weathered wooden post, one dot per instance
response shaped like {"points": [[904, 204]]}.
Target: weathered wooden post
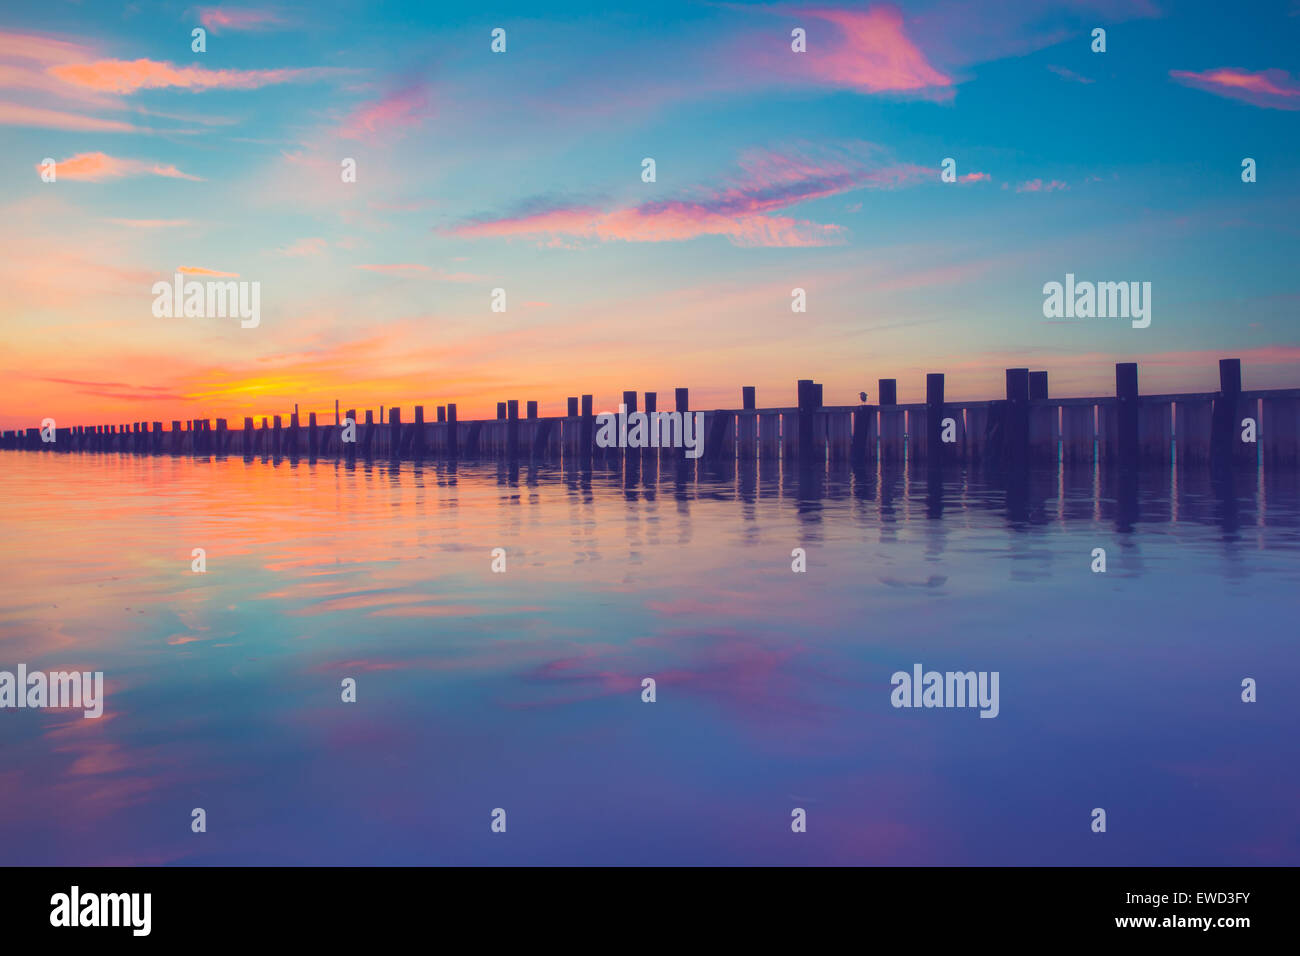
{"points": [[586, 437], [1126, 412], [1015, 418], [891, 421], [417, 433], [394, 433], [1281, 429], [1044, 421], [747, 435], [313, 439], [512, 428]]}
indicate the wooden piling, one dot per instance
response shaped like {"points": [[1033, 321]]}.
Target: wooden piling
{"points": [[892, 421]]}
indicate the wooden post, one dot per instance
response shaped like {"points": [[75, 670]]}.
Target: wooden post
{"points": [[368, 439], [1037, 386], [532, 411], [747, 423], [313, 441], [891, 421], [512, 428], [933, 447], [586, 437], [1126, 418], [417, 433], [1015, 418], [394, 432], [571, 406], [1044, 421]]}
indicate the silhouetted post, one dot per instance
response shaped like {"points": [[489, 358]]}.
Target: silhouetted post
{"points": [[891, 421], [1037, 386], [442, 413], [532, 411], [747, 423], [806, 398], [453, 431], [586, 438], [1126, 417], [935, 449], [571, 406], [313, 441], [276, 444], [512, 428], [1015, 418], [368, 439], [349, 448], [1224, 434], [651, 402], [395, 432]]}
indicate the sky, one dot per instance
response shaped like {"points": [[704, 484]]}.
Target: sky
{"points": [[522, 170]]}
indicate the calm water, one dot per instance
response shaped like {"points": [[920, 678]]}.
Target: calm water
{"points": [[522, 690]]}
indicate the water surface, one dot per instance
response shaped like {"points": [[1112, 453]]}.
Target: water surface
{"points": [[522, 690]]}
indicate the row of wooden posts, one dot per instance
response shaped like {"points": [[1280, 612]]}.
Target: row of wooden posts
{"points": [[1025, 426]]}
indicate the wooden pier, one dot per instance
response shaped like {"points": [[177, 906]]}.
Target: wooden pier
{"points": [[1024, 427]]}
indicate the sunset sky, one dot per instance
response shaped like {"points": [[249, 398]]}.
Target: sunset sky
{"points": [[522, 170]]}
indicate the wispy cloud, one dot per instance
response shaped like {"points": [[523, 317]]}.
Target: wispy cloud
{"points": [[14, 114], [128, 76], [200, 271], [420, 270], [1070, 75], [1039, 186], [96, 167], [150, 223], [398, 110], [744, 212], [313, 246], [1268, 89], [221, 19], [869, 52]]}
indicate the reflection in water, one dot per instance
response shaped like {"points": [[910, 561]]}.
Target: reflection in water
{"points": [[522, 690]]}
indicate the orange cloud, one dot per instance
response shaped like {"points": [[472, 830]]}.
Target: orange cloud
{"points": [[1268, 89], [200, 271], [96, 167], [128, 76]]}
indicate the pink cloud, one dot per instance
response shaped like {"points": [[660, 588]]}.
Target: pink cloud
{"points": [[1268, 89], [96, 167], [871, 54], [200, 271], [402, 108], [742, 212], [218, 19], [1038, 186], [1070, 75], [12, 114], [128, 76], [974, 178]]}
